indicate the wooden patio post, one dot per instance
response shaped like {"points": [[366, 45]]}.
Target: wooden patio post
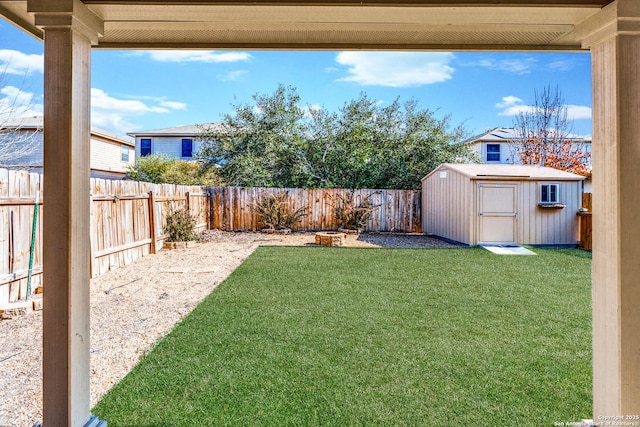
{"points": [[613, 35], [70, 29]]}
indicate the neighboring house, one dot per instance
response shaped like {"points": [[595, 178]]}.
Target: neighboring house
{"points": [[111, 155], [178, 142], [496, 146], [502, 204]]}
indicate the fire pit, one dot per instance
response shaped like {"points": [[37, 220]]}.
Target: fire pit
{"points": [[330, 238]]}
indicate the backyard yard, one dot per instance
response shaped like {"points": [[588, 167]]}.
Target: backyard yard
{"points": [[370, 336]]}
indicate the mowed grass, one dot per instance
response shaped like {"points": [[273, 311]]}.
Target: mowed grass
{"points": [[308, 336]]}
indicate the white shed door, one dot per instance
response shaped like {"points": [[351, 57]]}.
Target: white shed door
{"points": [[497, 213]]}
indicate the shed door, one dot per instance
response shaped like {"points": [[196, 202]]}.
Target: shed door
{"points": [[497, 213]]}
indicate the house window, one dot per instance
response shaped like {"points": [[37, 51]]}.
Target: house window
{"points": [[145, 147], [493, 152], [549, 193], [187, 147], [124, 153]]}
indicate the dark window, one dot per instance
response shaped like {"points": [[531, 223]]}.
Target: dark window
{"points": [[493, 152], [187, 147], [549, 193], [145, 147]]}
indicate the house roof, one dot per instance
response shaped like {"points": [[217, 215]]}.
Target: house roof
{"points": [[506, 134], [508, 172], [36, 123], [321, 24], [188, 130]]}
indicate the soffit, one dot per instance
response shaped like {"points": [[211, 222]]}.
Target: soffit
{"points": [[318, 24]]}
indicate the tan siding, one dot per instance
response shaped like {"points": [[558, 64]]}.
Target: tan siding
{"points": [[450, 210], [549, 226], [107, 156], [446, 203]]}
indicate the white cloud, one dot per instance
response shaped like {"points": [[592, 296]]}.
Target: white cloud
{"points": [[110, 113], [512, 106], [509, 101], [16, 62], [561, 65], [578, 112], [232, 76], [396, 69], [205, 56], [515, 66], [16, 103], [173, 105]]}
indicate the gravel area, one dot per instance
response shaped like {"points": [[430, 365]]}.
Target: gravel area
{"points": [[132, 307]]}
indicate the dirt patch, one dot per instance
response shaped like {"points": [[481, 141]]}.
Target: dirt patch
{"points": [[134, 306]]}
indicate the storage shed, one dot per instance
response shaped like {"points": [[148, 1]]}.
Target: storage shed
{"points": [[501, 204]]}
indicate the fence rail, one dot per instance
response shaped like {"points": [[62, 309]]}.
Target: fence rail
{"points": [[128, 218], [395, 210]]}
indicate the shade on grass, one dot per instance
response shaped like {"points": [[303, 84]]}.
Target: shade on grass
{"points": [[344, 336]]}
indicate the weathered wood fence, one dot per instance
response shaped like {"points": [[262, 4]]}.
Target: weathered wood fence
{"points": [[128, 219], [395, 210], [127, 222], [585, 222]]}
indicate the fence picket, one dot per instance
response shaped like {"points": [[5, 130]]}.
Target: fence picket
{"points": [[127, 218]]}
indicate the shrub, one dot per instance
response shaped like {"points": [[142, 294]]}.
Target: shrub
{"points": [[352, 216], [180, 226], [274, 211]]}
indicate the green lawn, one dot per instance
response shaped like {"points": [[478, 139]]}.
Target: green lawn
{"points": [[315, 336]]}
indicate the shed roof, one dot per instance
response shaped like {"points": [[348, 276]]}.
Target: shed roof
{"points": [[509, 172]]}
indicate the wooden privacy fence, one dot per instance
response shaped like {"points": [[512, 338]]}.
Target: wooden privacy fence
{"points": [[396, 210], [585, 222], [127, 222], [128, 219], [17, 205]]}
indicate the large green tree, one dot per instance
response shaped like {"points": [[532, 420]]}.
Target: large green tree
{"points": [[277, 141]]}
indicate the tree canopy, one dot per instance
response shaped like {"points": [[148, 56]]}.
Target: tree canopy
{"points": [[544, 135], [279, 142], [160, 169]]}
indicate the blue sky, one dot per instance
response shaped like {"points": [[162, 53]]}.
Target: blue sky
{"points": [[144, 90]]}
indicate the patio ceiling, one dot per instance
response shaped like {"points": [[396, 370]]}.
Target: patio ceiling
{"points": [[327, 24]]}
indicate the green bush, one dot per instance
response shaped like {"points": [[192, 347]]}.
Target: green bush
{"points": [[180, 226], [274, 211]]}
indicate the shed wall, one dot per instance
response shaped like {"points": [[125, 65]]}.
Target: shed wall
{"points": [[448, 206], [548, 226]]}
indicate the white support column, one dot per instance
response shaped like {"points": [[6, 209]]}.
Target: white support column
{"points": [[613, 36], [69, 30]]}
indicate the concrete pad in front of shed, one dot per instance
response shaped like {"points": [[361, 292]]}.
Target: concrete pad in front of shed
{"points": [[508, 250]]}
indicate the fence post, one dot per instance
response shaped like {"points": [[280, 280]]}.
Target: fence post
{"points": [[187, 205], [152, 223]]}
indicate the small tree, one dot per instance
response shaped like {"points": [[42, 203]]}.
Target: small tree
{"points": [[275, 213], [180, 226], [543, 136], [352, 215]]}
